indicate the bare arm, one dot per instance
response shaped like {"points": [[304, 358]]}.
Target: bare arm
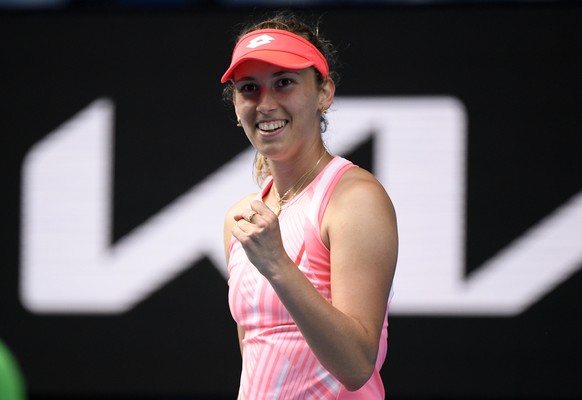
{"points": [[360, 228]]}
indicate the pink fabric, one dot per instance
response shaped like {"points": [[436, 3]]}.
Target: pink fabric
{"points": [[277, 362]]}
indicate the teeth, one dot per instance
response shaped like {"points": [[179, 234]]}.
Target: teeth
{"points": [[271, 125]]}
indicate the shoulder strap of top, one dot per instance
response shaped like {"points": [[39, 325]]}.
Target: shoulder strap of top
{"points": [[325, 187]]}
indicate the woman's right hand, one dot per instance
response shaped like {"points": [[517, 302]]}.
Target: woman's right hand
{"points": [[258, 231]]}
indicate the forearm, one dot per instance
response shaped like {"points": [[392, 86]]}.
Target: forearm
{"points": [[341, 343]]}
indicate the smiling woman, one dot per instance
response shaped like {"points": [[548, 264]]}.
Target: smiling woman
{"points": [[311, 269]]}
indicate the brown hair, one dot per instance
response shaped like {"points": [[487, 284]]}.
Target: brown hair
{"points": [[288, 21]]}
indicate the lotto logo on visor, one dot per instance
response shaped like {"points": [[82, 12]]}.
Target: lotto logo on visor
{"points": [[277, 47], [259, 41]]}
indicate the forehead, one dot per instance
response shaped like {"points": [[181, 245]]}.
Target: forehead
{"points": [[257, 69]]}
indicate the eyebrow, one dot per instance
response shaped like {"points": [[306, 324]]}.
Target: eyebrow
{"points": [[276, 74]]}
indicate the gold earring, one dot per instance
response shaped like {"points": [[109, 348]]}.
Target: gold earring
{"points": [[238, 124], [323, 110]]}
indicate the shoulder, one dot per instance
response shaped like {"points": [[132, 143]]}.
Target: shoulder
{"points": [[358, 186], [359, 201]]}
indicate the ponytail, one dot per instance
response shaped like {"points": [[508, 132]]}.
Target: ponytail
{"points": [[262, 169]]}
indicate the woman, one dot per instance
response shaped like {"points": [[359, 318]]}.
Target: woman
{"points": [[312, 256]]}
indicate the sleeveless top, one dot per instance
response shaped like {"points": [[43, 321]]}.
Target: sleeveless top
{"points": [[277, 363]]}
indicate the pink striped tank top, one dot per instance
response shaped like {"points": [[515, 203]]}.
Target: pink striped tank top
{"points": [[277, 363]]}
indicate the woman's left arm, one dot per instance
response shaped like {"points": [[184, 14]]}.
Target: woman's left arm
{"points": [[361, 231], [359, 226]]}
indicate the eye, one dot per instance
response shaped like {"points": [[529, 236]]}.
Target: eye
{"points": [[246, 88], [284, 82]]}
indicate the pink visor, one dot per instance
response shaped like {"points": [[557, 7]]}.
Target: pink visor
{"points": [[277, 47]]}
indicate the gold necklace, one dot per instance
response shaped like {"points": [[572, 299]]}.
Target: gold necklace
{"points": [[299, 184]]}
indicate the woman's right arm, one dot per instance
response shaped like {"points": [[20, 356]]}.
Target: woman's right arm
{"points": [[229, 223]]}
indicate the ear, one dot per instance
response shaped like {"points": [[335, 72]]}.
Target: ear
{"points": [[326, 94]]}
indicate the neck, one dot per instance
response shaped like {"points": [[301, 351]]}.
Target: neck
{"points": [[291, 178]]}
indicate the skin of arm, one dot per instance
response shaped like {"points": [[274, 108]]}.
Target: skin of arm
{"points": [[359, 226]]}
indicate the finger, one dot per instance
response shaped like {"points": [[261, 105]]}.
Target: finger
{"points": [[261, 208], [249, 217], [241, 215], [237, 231], [237, 228]]}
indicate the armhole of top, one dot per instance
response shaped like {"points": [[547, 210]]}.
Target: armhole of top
{"points": [[330, 189]]}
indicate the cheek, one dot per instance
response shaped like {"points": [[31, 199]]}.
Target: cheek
{"points": [[308, 106], [245, 112], [241, 111], [241, 105], [236, 103]]}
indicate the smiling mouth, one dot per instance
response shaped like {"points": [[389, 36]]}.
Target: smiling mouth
{"points": [[269, 126]]}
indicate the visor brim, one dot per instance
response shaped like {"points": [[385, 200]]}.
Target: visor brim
{"points": [[274, 57]]}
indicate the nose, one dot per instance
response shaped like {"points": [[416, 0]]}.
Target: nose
{"points": [[266, 102]]}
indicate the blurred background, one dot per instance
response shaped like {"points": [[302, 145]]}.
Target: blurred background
{"points": [[120, 157]]}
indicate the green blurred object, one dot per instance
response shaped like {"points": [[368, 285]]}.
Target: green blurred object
{"points": [[11, 382]]}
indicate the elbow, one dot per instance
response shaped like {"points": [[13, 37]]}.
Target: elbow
{"points": [[357, 365], [361, 371], [359, 378]]}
